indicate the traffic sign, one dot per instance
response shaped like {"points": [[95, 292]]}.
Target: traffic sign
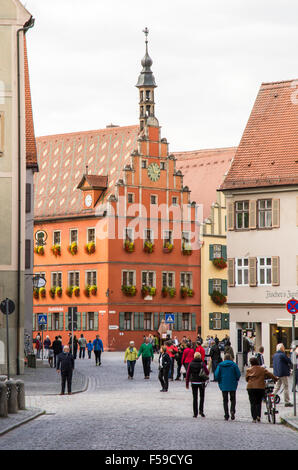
{"points": [[292, 306], [42, 319], [170, 318], [7, 306]]}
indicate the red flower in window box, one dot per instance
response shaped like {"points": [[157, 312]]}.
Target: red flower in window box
{"points": [[76, 291], [39, 250], [69, 291], [129, 246], [42, 292], [52, 292], [219, 263], [73, 248], [36, 293], [168, 247], [183, 292], [59, 291], [218, 298], [56, 250], [90, 248], [164, 291], [148, 247]]}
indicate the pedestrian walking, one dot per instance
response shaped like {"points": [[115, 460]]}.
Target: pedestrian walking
{"points": [[57, 349], [197, 374], [38, 346], [281, 369], [47, 343], [215, 356], [255, 378], [172, 350], [51, 356], [227, 374], [146, 351], [65, 366], [82, 345], [179, 355], [164, 368], [246, 349], [98, 349], [188, 356], [229, 350], [89, 348], [130, 358], [200, 350], [260, 356]]}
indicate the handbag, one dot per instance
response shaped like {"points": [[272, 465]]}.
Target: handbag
{"points": [[202, 374], [183, 370]]}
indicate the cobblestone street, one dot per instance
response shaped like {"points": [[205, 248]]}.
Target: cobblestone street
{"points": [[118, 414]]}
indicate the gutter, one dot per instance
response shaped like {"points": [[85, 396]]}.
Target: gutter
{"points": [[28, 25]]}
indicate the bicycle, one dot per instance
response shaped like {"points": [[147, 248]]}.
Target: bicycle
{"points": [[271, 401]]}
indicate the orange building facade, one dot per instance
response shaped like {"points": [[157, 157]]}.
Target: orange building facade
{"points": [[116, 232]]}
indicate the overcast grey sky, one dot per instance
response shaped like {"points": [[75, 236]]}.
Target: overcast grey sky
{"points": [[209, 59]]}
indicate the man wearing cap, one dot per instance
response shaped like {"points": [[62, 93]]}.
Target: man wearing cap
{"points": [[131, 355]]}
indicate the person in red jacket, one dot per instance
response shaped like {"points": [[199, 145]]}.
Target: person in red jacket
{"points": [[172, 350], [188, 355], [201, 350]]}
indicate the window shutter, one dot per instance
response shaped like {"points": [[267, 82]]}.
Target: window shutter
{"points": [[96, 321], [224, 287], [231, 272], [61, 318], [210, 286], [275, 271], [66, 321], [211, 255], [136, 321], [252, 214], [176, 321], [161, 316], [141, 321], [252, 267], [84, 324], [28, 198], [50, 321], [230, 215], [193, 321], [275, 213], [27, 254], [121, 321], [224, 252], [225, 321], [79, 321], [33, 322], [156, 324], [211, 323], [179, 321]]}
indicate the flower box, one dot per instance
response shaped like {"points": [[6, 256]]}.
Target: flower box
{"points": [[73, 248], [186, 292], [218, 298], [42, 292], [56, 250], [36, 293], [148, 247], [39, 250], [69, 291], [171, 291], [147, 290], [59, 291], [76, 291], [129, 246], [90, 290], [168, 247], [219, 263], [129, 290], [164, 291], [52, 292], [90, 248], [186, 249]]}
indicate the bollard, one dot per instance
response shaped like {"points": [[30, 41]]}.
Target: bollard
{"points": [[12, 396], [21, 394], [3, 400], [3, 378]]}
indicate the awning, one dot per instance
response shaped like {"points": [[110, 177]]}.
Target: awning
{"points": [[286, 322]]}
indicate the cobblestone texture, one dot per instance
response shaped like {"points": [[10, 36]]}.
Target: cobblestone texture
{"points": [[118, 414]]}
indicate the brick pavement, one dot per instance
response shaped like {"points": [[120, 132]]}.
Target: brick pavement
{"points": [[118, 414]]}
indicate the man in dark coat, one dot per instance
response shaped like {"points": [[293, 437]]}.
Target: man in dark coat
{"points": [[215, 356], [164, 368], [246, 349], [65, 365], [281, 369], [57, 349]]}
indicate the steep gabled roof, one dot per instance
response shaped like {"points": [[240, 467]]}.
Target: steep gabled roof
{"points": [[268, 151], [204, 171], [31, 152], [62, 163]]}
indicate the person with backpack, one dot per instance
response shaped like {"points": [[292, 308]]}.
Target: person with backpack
{"points": [[197, 374], [260, 356], [98, 349], [227, 375]]}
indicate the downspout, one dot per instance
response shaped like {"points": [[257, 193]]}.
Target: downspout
{"points": [[27, 26]]}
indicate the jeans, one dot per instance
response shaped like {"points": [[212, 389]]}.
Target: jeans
{"points": [[66, 377], [163, 377], [131, 368], [146, 365], [255, 397], [195, 389], [82, 353], [171, 371], [89, 354], [97, 357], [225, 396]]}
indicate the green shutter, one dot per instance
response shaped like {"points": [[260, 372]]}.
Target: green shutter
{"points": [[121, 321], [176, 321], [84, 325], [210, 286], [161, 316], [211, 255], [141, 321], [179, 321], [66, 321], [50, 321], [211, 321], [224, 252], [224, 287], [156, 324], [79, 321], [193, 321], [136, 321], [96, 321], [61, 318], [225, 321]]}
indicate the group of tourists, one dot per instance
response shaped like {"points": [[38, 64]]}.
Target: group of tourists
{"points": [[196, 361]]}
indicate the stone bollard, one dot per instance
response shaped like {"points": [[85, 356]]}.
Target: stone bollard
{"points": [[21, 394], [3, 400], [12, 396]]}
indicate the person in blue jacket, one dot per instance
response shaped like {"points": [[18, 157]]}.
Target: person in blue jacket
{"points": [[282, 368], [98, 349], [227, 374]]}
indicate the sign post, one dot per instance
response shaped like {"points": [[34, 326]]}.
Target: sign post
{"points": [[42, 322], [7, 307], [292, 307]]}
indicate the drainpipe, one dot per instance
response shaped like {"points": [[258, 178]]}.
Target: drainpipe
{"points": [[28, 25]]}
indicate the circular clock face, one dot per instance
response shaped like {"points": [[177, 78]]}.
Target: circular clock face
{"points": [[153, 172], [88, 200]]}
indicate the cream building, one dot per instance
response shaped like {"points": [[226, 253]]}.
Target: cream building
{"points": [[15, 169]]}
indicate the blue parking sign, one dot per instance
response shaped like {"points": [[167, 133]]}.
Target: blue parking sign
{"points": [[170, 318], [42, 319]]}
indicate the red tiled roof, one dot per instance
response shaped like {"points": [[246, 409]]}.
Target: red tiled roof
{"points": [[204, 172], [62, 161], [268, 151], [94, 181], [31, 153]]}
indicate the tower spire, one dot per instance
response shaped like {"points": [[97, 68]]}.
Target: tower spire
{"points": [[146, 84]]}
